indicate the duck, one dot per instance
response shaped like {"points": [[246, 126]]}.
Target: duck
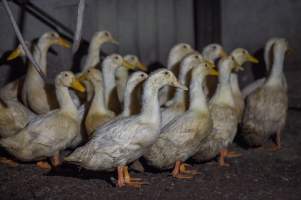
{"points": [[36, 94], [98, 39], [180, 139], [266, 107], [115, 145], [12, 90], [241, 56], [178, 103], [109, 67], [175, 56], [267, 57], [225, 119], [122, 74], [46, 135], [213, 51], [98, 113]]}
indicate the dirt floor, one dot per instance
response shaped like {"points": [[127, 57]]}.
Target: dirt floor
{"points": [[257, 174]]}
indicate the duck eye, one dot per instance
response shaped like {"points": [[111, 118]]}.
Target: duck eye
{"points": [[214, 47], [142, 75], [244, 52], [196, 57], [116, 57], [66, 75], [232, 58], [166, 73], [185, 47], [206, 65], [106, 34]]}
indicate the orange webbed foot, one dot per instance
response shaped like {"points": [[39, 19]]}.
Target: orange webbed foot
{"points": [[8, 162], [43, 165]]}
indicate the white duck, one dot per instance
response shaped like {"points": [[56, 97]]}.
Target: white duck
{"points": [[122, 74], [241, 56], [213, 51], [225, 120], [109, 67], [118, 143], [266, 107], [36, 94], [178, 104], [48, 134], [98, 39], [181, 138], [175, 56]]}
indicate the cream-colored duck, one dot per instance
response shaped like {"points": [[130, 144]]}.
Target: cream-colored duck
{"points": [[118, 143], [266, 107], [36, 94], [213, 51], [178, 105], [48, 134], [175, 56], [181, 138], [241, 56], [109, 67], [98, 113], [98, 39], [122, 74], [267, 59], [225, 120]]}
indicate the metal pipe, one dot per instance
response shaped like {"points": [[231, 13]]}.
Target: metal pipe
{"points": [[79, 25], [21, 40]]}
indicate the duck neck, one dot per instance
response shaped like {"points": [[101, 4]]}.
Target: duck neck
{"points": [[109, 80], [93, 54], [150, 103], [223, 94], [277, 69], [40, 55], [198, 100], [65, 101], [89, 90], [234, 83], [98, 103], [127, 99]]}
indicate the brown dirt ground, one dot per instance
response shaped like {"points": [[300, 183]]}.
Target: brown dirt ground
{"points": [[258, 174]]}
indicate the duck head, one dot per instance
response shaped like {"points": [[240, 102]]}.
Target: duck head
{"points": [[177, 53], [103, 37], [213, 52], [134, 61], [53, 38], [67, 79], [116, 60], [18, 52], [242, 56]]}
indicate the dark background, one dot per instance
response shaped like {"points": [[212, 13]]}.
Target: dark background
{"points": [[149, 28]]}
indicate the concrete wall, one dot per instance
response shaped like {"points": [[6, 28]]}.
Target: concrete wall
{"points": [[250, 23]]}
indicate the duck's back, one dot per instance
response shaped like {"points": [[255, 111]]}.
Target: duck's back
{"points": [[224, 130], [43, 137], [265, 113]]}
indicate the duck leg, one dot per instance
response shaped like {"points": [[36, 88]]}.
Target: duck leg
{"points": [[43, 165], [221, 159], [8, 162], [120, 182], [133, 182], [56, 160], [277, 142], [184, 169], [232, 154], [177, 172]]}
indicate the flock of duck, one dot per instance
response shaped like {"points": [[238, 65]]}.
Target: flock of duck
{"points": [[109, 121]]}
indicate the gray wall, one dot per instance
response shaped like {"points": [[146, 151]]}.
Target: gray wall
{"points": [[250, 23], [147, 28]]}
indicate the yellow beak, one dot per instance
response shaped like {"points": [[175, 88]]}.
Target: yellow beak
{"points": [[213, 72], [252, 59], [128, 65], [114, 41], [210, 64], [77, 85], [64, 43], [141, 66], [15, 54]]}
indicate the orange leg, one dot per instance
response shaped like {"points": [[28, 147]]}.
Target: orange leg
{"points": [[232, 154], [8, 162], [177, 171], [43, 165], [56, 160], [277, 145], [222, 156], [120, 182], [133, 182]]}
